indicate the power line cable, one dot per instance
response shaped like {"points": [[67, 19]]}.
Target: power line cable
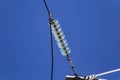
{"points": [[51, 42], [52, 54]]}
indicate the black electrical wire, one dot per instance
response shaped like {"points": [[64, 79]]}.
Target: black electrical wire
{"points": [[52, 54], [51, 42], [49, 14]]}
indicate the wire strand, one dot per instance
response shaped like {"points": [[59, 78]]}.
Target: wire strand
{"points": [[52, 54], [51, 42], [49, 14]]}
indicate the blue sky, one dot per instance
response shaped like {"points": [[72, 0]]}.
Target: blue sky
{"points": [[92, 29]]}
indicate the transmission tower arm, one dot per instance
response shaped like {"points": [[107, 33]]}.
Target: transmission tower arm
{"points": [[108, 72]]}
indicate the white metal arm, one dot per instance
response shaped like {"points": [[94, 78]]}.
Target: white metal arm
{"points": [[108, 72]]}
